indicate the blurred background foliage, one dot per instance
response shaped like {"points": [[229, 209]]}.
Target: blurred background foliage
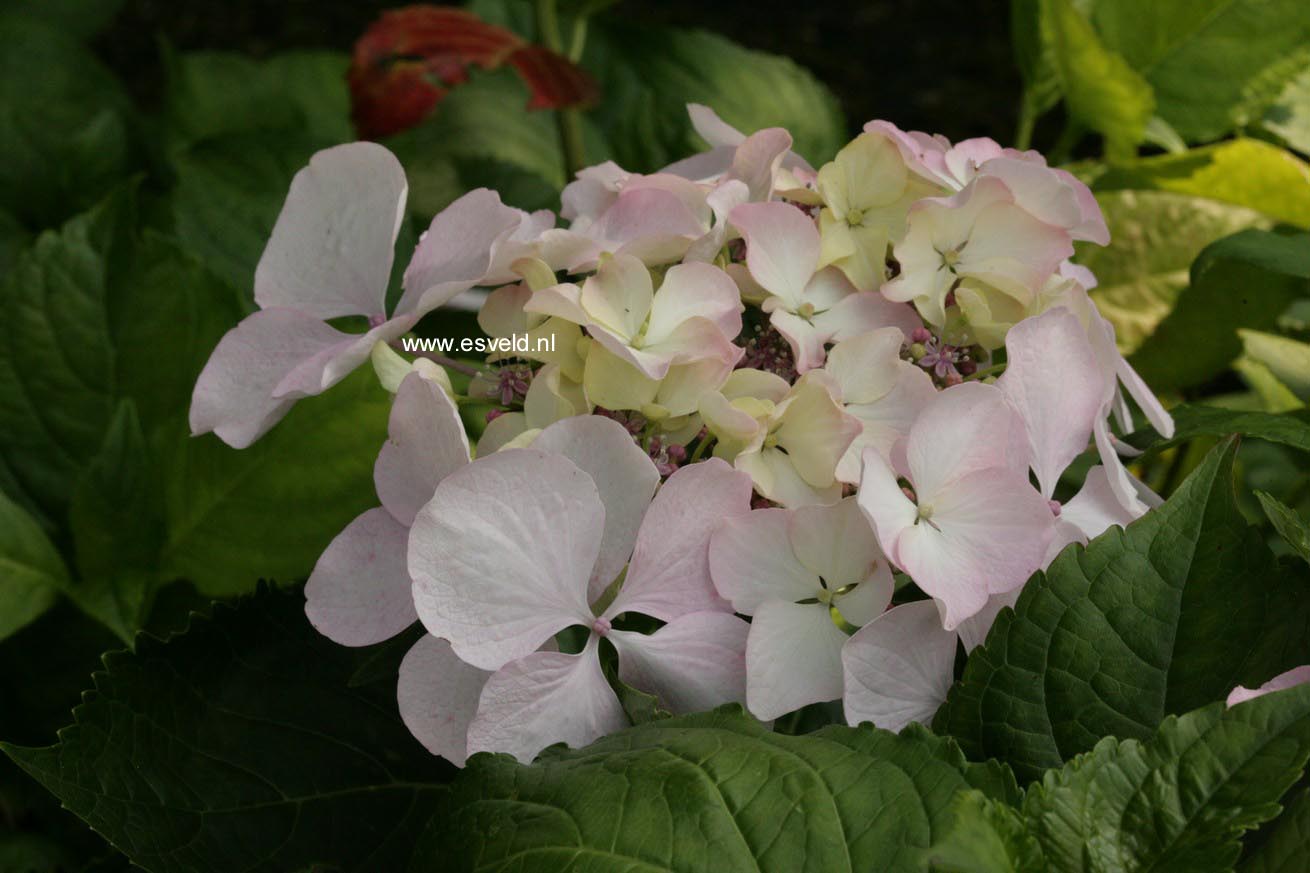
{"points": [[146, 147]]}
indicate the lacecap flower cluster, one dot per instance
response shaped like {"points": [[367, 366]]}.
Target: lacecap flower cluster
{"points": [[777, 402]]}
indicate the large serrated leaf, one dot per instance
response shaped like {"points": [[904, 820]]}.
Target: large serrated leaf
{"points": [[56, 353], [1284, 845], [1175, 803], [710, 792], [1171, 613], [247, 743]]}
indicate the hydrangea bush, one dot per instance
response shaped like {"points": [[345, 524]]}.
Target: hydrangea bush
{"points": [[782, 436], [933, 507]]}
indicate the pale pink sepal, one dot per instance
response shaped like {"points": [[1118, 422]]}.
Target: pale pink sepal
{"points": [[425, 443], [694, 663], [625, 478], [359, 591], [501, 555], [670, 572], [545, 698], [438, 696], [1281, 682], [331, 249], [898, 668]]}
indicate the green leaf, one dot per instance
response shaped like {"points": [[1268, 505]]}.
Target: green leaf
{"points": [[1290, 526], [228, 194], [166, 315], [43, 671], [238, 130], [80, 18], [56, 354], [516, 15], [1162, 211], [1289, 117], [1272, 394], [1210, 66], [1102, 91], [715, 791], [95, 314], [1287, 359], [1154, 238], [118, 528], [1032, 55], [1160, 132], [1175, 803], [1215, 65], [64, 124], [1243, 281], [1165, 616], [638, 706], [211, 94], [247, 743], [13, 239], [1193, 420], [987, 837], [1286, 847], [1243, 172], [31, 571], [650, 74], [100, 318], [1251, 753], [269, 511], [482, 136]]}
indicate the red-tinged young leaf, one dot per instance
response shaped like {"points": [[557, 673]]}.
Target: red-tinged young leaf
{"points": [[555, 83], [410, 58]]}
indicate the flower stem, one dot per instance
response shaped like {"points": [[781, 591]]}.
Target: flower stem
{"points": [[700, 448], [579, 40], [1023, 134], [1070, 136], [569, 121], [993, 370]]}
